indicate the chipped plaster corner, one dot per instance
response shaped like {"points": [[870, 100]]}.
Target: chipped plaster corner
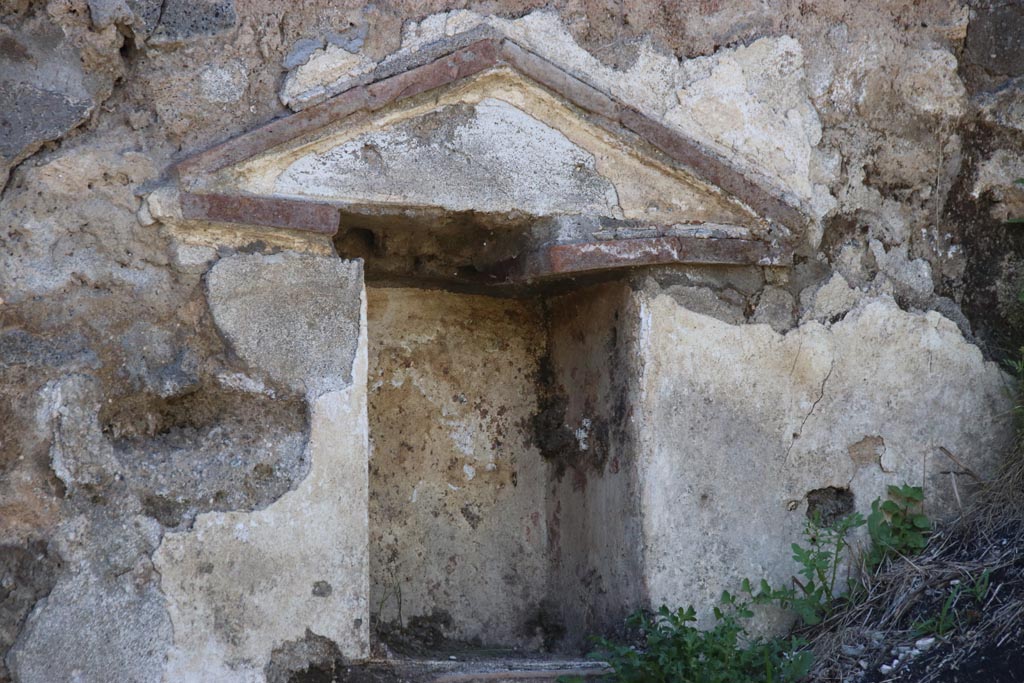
{"points": [[238, 585], [321, 75]]}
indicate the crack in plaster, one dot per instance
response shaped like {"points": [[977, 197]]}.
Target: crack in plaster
{"points": [[821, 395]]}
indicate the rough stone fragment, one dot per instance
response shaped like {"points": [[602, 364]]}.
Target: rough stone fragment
{"points": [[45, 88], [88, 630], [775, 307], [928, 82], [994, 49], [351, 39], [1005, 106], [79, 454], [910, 278], [27, 573], [75, 215], [18, 347], [105, 620], [209, 448], [739, 423], [707, 301], [311, 656], [829, 301], [997, 177], [146, 15], [223, 83], [301, 51], [184, 19], [106, 12], [291, 316]]}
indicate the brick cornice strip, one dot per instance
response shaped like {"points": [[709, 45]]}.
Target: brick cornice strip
{"points": [[583, 257], [288, 214]]}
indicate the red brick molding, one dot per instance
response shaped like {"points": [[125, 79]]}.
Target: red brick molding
{"points": [[582, 257], [261, 211]]}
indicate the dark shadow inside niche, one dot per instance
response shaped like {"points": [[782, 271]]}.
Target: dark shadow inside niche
{"points": [[208, 449], [461, 250]]}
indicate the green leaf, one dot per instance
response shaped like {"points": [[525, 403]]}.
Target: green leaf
{"points": [[922, 522], [914, 493]]}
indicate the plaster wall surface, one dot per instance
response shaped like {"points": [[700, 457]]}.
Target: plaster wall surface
{"points": [[738, 423], [458, 528]]}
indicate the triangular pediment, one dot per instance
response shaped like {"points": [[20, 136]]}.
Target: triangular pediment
{"points": [[490, 130], [496, 143]]}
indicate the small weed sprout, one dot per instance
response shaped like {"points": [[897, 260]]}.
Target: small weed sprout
{"points": [[898, 525]]}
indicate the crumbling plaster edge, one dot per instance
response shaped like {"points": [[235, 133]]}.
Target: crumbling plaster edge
{"points": [[352, 395]]}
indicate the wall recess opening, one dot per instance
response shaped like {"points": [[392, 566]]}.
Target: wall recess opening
{"points": [[499, 477]]}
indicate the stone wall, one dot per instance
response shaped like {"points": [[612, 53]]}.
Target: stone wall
{"points": [[177, 402]]}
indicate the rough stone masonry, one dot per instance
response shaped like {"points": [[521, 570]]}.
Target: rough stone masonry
{"points": [[322, 325]]}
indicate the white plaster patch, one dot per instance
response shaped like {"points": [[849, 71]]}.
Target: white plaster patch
{"points": [[750, 102], [321, 73], [243, 382], [582, 434]]}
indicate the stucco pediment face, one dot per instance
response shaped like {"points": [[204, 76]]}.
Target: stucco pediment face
{"points": [[495, 143]]}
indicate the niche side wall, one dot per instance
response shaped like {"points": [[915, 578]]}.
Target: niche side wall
{"points": [[593, 502]]}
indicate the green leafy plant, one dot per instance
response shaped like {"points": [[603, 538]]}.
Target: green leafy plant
{"points": [[943, 622], [675, 651], [979, 588], [672, 648], [1016, 366], [898, 525]]}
